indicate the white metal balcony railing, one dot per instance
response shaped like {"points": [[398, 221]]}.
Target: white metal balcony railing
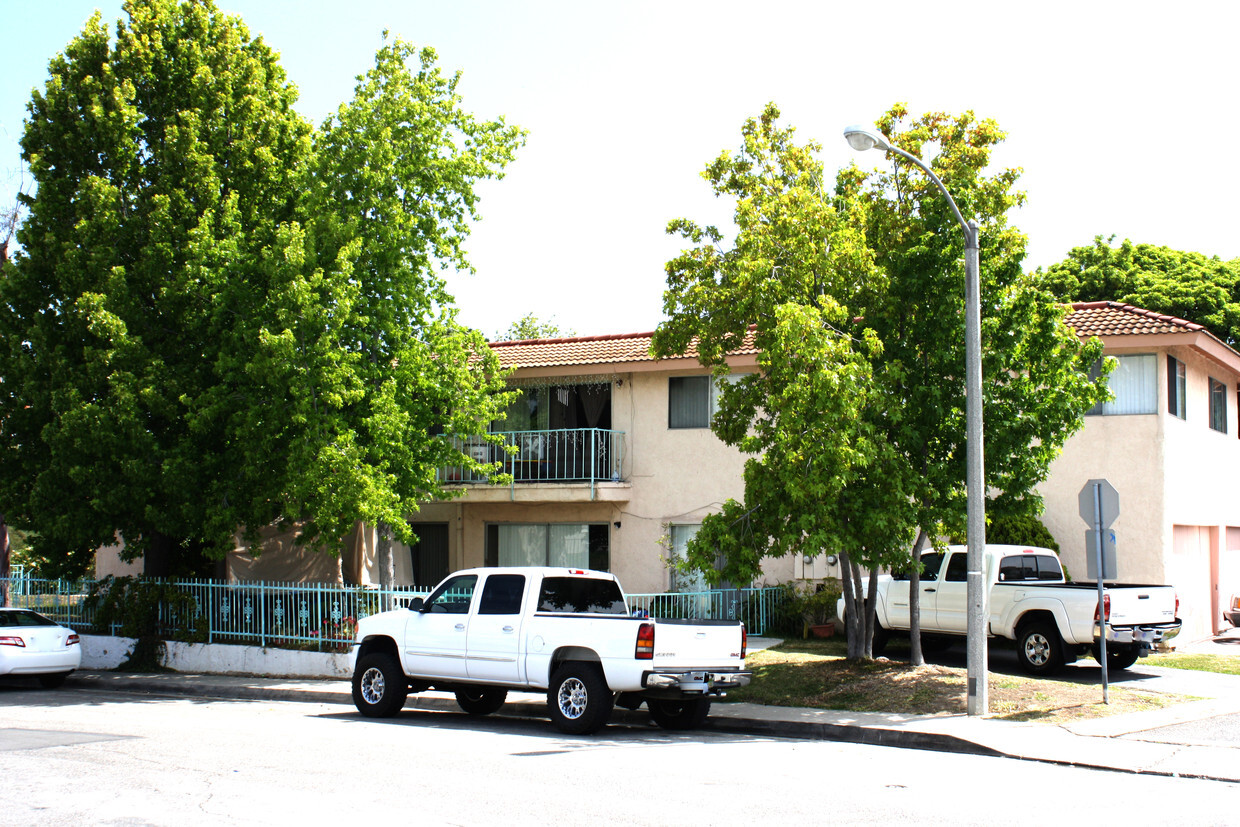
{"points": [[577, 455]]}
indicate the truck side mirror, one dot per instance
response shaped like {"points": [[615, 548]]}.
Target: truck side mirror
{"points": [[414, 605]]}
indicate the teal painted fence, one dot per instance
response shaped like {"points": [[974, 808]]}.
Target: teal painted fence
{"points": [[324, 616]]}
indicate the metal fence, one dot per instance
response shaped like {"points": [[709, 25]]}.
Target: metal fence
{"points": [[761, 609], [323, 617], [570, 455]]}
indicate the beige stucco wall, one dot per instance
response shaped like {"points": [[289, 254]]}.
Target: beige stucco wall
{"points": [[669, 477], [1176, 486]]}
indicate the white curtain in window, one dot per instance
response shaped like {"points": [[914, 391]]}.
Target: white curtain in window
{"points": [[1135, 385], [681, 582], [570, 546], [523, 545]]}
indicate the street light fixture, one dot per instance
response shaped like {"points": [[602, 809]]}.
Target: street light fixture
{"points": [[861, 138]]}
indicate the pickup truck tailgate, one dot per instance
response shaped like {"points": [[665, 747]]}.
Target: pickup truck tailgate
{"points": [[698, 643], [1133, 605]]}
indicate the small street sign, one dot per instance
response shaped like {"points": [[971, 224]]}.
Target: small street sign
{"points": [[1109, 571]]}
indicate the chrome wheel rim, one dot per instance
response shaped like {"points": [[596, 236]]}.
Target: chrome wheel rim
{"points": [[373, 685], [1037, 649], [572, 698]]}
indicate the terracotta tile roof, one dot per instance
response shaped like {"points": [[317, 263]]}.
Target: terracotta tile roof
{"points": [[1102, 318], [587, 350], [1115, 319]]}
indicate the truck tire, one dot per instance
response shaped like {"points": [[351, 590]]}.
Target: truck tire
{"points": [[379, 686], [1038, 649], [1119, 657], [578, 699], [480, 700], [686, 713]]}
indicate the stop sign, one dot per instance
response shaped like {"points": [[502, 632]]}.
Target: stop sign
{"points": [[1109, 499]]}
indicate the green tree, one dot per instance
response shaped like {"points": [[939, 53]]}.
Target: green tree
{"points": [[201, 331], [1201, 289], [530, 327], [861, 449]]}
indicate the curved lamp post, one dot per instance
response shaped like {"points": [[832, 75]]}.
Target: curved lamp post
{"points": [[861, 138]]}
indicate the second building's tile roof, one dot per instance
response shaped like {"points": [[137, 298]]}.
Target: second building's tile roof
{"points": [[589, 350], [1116, 319]]}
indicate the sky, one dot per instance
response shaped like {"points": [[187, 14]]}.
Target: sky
{"points": [[1117, 113]]}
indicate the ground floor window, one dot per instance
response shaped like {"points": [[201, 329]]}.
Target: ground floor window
{"points": [[680, 536], [429, 554], [571, 545]]}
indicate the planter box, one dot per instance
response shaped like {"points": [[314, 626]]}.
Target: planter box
{"points": [[825, 630]]}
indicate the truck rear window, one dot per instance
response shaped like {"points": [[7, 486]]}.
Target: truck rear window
{"points": [[1029, 567], [581, 595]]}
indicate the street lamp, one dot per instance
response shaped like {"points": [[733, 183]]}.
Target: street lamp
{"points": [[861, 139]]}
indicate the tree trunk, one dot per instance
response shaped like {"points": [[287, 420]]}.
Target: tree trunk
{"points": [[871, 603], [854, 623], [387, 570], [916, 656], [5, 568]]}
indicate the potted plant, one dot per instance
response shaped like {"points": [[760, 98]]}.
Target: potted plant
{"points": [[816, 605]]}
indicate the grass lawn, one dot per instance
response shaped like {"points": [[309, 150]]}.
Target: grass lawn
{"points": [[815, 674], [1223, 664]]}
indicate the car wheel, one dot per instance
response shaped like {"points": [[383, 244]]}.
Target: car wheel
{"points": [[480, 700], [54, 680], [1038, 649], [1119, 657], [379, 686], [686, 713], [578, 699]]}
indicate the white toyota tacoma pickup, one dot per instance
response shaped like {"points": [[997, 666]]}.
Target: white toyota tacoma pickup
{"points": [[483, 632], [1031, 602]]}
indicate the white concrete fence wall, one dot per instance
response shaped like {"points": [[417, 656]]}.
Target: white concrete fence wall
{"points": [[105, 652]]}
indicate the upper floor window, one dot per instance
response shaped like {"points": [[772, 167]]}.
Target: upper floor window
{"points": [[693, 400], [1134, 383], [1218, 405], [688, 402], [1177, 383]]}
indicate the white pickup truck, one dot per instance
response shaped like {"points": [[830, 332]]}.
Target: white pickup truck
{"points": [[1052, 621], [483, 632]]}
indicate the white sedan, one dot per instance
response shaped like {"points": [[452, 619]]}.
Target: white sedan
{"points": [[31, 644]]}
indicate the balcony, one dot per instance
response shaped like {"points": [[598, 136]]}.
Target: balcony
{"points": [[555, 462]]}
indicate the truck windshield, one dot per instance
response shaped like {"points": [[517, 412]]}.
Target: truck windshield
{"points": [[581, 595]]}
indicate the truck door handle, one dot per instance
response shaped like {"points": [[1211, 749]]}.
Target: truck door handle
{"points": [[460, 627], [928, 589], [508, 629]]}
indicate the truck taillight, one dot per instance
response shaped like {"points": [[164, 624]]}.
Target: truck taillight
{"points": [[1106, 607], [744, 641], [1177, 604], [645, 642]]}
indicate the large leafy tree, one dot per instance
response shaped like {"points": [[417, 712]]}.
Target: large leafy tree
{"points": [[1189, 285], [219, 320], [861, 449]]}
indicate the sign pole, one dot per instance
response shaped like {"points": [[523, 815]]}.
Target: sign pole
{"points": [[1102, 615]]}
